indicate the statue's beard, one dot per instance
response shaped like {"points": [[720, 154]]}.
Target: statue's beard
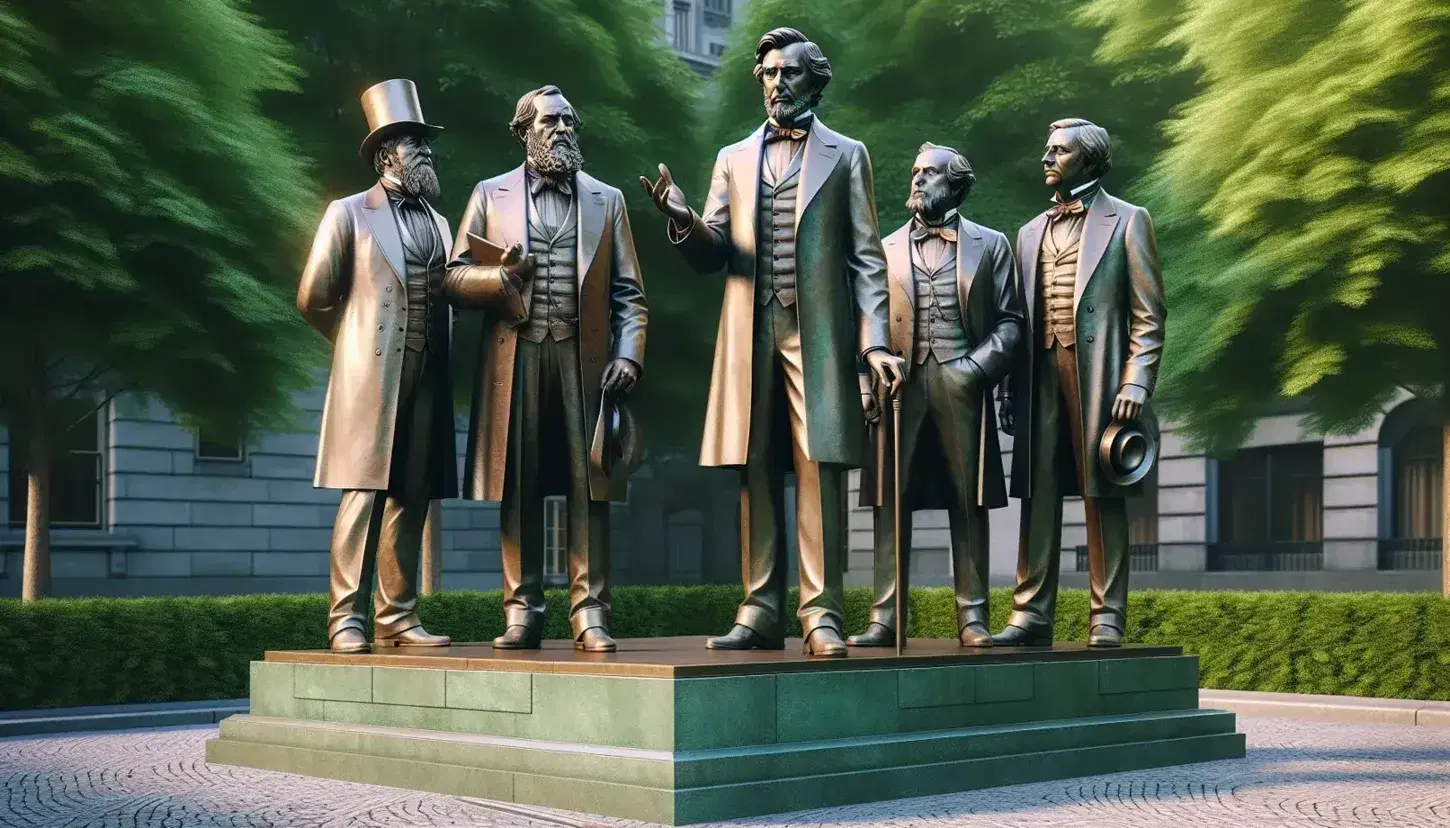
{"points": [[551, 158], [419, 179], [929, 204], [785, 109]]}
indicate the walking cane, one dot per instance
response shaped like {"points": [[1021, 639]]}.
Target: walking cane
{"points": [[897, 487]]}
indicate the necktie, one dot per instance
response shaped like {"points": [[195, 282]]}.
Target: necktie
{"points": [[941, 231], [1071, 208], [541, 181], [779, 133]]}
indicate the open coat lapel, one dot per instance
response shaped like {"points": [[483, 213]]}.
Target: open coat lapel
{"points": [[1097, 231], [820, 159], [969, 256], [589, 201], [745, 190], [385, 228], [1029, 256]]}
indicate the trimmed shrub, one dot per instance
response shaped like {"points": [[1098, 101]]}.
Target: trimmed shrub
{"points": [[91, 651]]}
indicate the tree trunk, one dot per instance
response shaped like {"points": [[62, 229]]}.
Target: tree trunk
{"points": [[432, 548], [1445, 510], [36, 581]]}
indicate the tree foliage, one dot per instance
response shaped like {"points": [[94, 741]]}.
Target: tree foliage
{"points": [[984, 76], [153, 215], [1303, 204], [472, 60]]}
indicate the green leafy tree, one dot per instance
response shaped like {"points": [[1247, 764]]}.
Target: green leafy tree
{"points": [[1303, 206], [472, 60], [151, 225], [984, 76]]}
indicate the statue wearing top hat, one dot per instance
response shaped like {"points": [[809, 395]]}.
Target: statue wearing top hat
{"points": [[1078, 403], [375, 286], [562, 347]]}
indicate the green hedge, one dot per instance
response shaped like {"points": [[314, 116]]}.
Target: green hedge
{"points": [[68, 652]]}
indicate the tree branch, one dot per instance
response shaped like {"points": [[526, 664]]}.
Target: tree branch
{"points": [[100, 405]]}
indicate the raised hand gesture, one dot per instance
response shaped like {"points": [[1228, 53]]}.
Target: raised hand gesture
{"points": [[668, 197]]}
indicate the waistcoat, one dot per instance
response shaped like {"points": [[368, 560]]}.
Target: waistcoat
{"points": [[775, 234], [424, 261], [1059, 279], [939, 328], [554, 305]]}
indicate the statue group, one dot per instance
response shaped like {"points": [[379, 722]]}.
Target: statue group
{"points": [[836, 350]]}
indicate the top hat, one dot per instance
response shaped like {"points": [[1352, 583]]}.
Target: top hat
{"points": [[1126, 453], [392, 108], [618, 447]]}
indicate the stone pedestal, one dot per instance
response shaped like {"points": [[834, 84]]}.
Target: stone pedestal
{"points": [[669, 732]]}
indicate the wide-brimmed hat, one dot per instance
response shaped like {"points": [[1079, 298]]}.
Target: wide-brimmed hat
{"points": [[392, 108], [618, 446], [1126, 453]]}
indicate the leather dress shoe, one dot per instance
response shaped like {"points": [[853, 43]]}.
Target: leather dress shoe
{"points": [[975, 635], [595, 640], [1103, 635], [742, 637], [412, 637], [876, 635], [349, 640], [519, 637], [1015, 636], [825, 642]]}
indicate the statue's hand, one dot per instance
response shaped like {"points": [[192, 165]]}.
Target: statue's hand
{"points": [[668, 198], [870, 407], [1128, 407], [888, 369], [1005, 418], [619, 378], [517, 266]]}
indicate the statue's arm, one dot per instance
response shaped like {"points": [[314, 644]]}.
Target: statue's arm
{"points": [[705, 242], [326, 276], [466, 283], [629, 309], [994, 354], [1147, 311], [865, 258]]}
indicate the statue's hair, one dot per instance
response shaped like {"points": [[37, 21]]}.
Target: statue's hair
{"points": [[386, 149], [1092, 140], [528, 108], [816, 63], [959, 171]]}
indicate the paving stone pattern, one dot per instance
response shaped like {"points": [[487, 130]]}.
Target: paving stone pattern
{"points": [[1297, 774]]}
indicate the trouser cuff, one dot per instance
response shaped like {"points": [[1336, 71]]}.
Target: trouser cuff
{"points": [[347, 622], [520, 617], [971, 616], [1107, 618], [814, 620], [886, 617], [1028, 621], [397, 627], [586, 617], [759, 619]]}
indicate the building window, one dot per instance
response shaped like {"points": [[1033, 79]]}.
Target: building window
{"points": [[210, 449], [1271, 509], [76, 476], [682, 19], [1418, 481], [717, 49], [717, 14], [556, 539]]}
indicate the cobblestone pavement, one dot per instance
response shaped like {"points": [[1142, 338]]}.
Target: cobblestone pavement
{"points": [[1297, 774]]}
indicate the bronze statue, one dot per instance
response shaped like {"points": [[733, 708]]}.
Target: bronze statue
{"points": [[957, 317], [1079, 397], [544, 378], [790, 218], [374, 286]]}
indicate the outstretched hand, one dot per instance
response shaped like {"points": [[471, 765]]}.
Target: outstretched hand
{"points": [[667, 196]]}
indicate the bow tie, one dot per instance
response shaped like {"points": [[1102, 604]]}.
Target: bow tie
{"points": [[941, 231], [1072, 208], [541, 181], [774, 133]]}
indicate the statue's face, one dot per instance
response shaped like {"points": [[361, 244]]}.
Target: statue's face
{"points": [[786, 82], [410, 161], [1062, 163], [554, 122], [931, 192]]}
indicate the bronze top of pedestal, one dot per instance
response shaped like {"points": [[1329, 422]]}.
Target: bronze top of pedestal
{"points": [[686, 657]]}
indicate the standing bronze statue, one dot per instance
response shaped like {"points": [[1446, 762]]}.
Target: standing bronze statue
{"points": [[543, 380], [790, 218], [374, 285], [1078, 403], [956, 312]]}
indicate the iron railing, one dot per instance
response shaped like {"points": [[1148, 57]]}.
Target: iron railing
{"points": [[1266, 556], [1142, 557], [1410, 553]]}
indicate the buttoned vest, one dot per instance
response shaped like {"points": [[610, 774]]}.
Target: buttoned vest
{"points": [[1058, 267], [424, 262], [939, 329], [554, 306], [775, 274]]}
